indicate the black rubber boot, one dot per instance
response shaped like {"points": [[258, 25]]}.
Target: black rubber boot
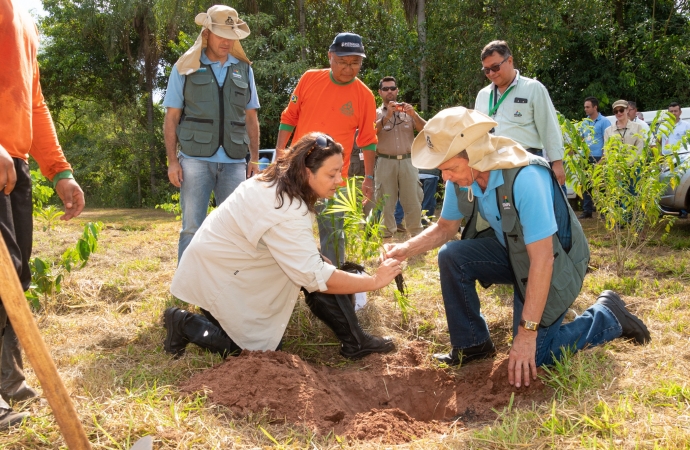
{"points": [[184, 327], [465, 355], [9, 418], [633, 327], [338, 312]]}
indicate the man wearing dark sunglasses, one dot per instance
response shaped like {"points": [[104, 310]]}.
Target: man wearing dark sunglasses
{"points": [[335, 102], [521, 106], [396, 177]]}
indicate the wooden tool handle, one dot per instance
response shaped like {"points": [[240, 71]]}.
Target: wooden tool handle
{"points": [[27, 331]]}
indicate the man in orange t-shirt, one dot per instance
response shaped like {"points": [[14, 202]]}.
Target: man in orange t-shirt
{"points": [[26, 128], [337, 103]]}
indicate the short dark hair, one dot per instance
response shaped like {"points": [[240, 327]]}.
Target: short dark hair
{"points": [[594, 101], [632, 104], [289, 173], [674, 104], [500, 47], [386, 79]]}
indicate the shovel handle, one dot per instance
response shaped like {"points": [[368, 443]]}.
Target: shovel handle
{"points": [[25, 327]]}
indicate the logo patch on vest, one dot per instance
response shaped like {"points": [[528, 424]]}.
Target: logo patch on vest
{"points": [[293, 99], [347, 109], [236, 73], [517, 114], [506, 203]]}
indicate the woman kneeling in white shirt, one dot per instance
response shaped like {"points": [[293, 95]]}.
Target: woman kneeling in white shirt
{"points": [[247, 262]]}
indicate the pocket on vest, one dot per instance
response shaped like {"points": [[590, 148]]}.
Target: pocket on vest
{"points": [[239, 137], [195, 143], [238, 94], [205, 90]]}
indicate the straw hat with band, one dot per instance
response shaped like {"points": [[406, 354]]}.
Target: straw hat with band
{"points": [[222, 21], [456, 129]]}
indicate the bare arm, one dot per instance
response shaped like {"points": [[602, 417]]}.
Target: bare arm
{"points": [[347, 283], [172, 119], [368, 183], [522, 357], [435, 236], [281, 143], [252, 124]]}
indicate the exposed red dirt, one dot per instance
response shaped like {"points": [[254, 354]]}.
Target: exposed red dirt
{"points": [[392, 398]]}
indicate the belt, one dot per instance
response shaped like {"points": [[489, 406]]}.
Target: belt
{"points": [[405, 156], [534, 151]]}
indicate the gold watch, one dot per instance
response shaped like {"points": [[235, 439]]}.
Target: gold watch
{"points": [[532, 326]]}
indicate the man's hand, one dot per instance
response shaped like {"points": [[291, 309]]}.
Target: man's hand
{"points": [[396, 251], [8, 176], [252, 169], [368, 190], [72, 197], [557, 167], [521, 360], [175, 172]]}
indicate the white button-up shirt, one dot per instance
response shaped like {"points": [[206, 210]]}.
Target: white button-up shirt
{"points": [[247, 262]]}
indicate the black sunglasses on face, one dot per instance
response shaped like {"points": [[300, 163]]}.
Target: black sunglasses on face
{"points": [[619, 110], [322, 141], [495, 67], [389, 88]]}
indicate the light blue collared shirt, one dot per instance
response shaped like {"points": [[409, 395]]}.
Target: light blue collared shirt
{"points": [[533, 197], [174, 98]]}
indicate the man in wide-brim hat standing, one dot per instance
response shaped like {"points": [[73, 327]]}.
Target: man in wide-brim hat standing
{"points": [[211, 119], [518, 229]]}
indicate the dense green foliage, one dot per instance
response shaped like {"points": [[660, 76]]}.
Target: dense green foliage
{"points": [[105, 64]]}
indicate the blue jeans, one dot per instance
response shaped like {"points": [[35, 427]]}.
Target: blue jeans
{"points": [[429, 186], [200, 178], [587, 203], [462, 263]]}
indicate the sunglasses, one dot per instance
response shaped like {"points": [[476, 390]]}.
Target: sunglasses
{"points": [[322, 141], [618, 110], [389, 88], [495, 67]]}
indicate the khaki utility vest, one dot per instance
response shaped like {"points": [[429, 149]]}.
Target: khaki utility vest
{"points": [[571, 251], [214, 116]]}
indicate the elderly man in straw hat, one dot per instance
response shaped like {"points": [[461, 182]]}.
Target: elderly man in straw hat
{"points": [[519, 230], [211, 118]]}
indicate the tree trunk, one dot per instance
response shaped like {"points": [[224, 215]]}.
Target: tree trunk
{"points": [[421, 32], [302, 28]]}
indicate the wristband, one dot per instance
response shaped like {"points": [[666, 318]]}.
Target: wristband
{"points": [[371, 177]]}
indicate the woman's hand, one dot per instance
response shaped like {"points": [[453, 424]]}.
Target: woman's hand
{"points": [[389, 269]]}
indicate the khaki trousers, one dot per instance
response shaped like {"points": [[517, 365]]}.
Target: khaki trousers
{"points": [[399, 179]]}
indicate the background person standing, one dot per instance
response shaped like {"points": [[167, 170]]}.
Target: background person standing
{"points": [[26, 128], [521, 106], [396, 177], [334, 101], [211, 113], [594, 126]]}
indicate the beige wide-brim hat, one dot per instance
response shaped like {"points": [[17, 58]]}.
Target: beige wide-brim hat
{"points": [[456, 129], [222, 21]]}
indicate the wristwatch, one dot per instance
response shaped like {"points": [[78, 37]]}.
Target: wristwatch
{"points": [[532, 326]]}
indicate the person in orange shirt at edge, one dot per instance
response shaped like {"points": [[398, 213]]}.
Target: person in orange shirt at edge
{"points": [[26, 128], [335, 102]]}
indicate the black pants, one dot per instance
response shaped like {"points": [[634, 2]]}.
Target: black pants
{"points": [[16, 227]]}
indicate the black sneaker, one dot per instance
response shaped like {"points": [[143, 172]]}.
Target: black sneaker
{"points": [[633, 327], [465, 355], [9, 417], [175, 341], [585, 215]]}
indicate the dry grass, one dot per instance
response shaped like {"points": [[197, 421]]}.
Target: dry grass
{"points": [[105, 334]]}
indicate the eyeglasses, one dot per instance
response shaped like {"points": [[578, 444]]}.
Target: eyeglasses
{"points": [[322, 142], [389, 88], [619, 110], [354, 65], [495, 67]]}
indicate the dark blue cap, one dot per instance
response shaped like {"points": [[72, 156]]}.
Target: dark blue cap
{"points": [[347, 44]]}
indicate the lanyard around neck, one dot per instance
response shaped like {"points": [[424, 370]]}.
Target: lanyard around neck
{"points": [[493, 104]]}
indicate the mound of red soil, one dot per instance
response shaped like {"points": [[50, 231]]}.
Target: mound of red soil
{"points": [[391, 398]]}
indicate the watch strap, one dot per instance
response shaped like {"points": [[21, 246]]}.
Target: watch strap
{"points": [[527, 325]]}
